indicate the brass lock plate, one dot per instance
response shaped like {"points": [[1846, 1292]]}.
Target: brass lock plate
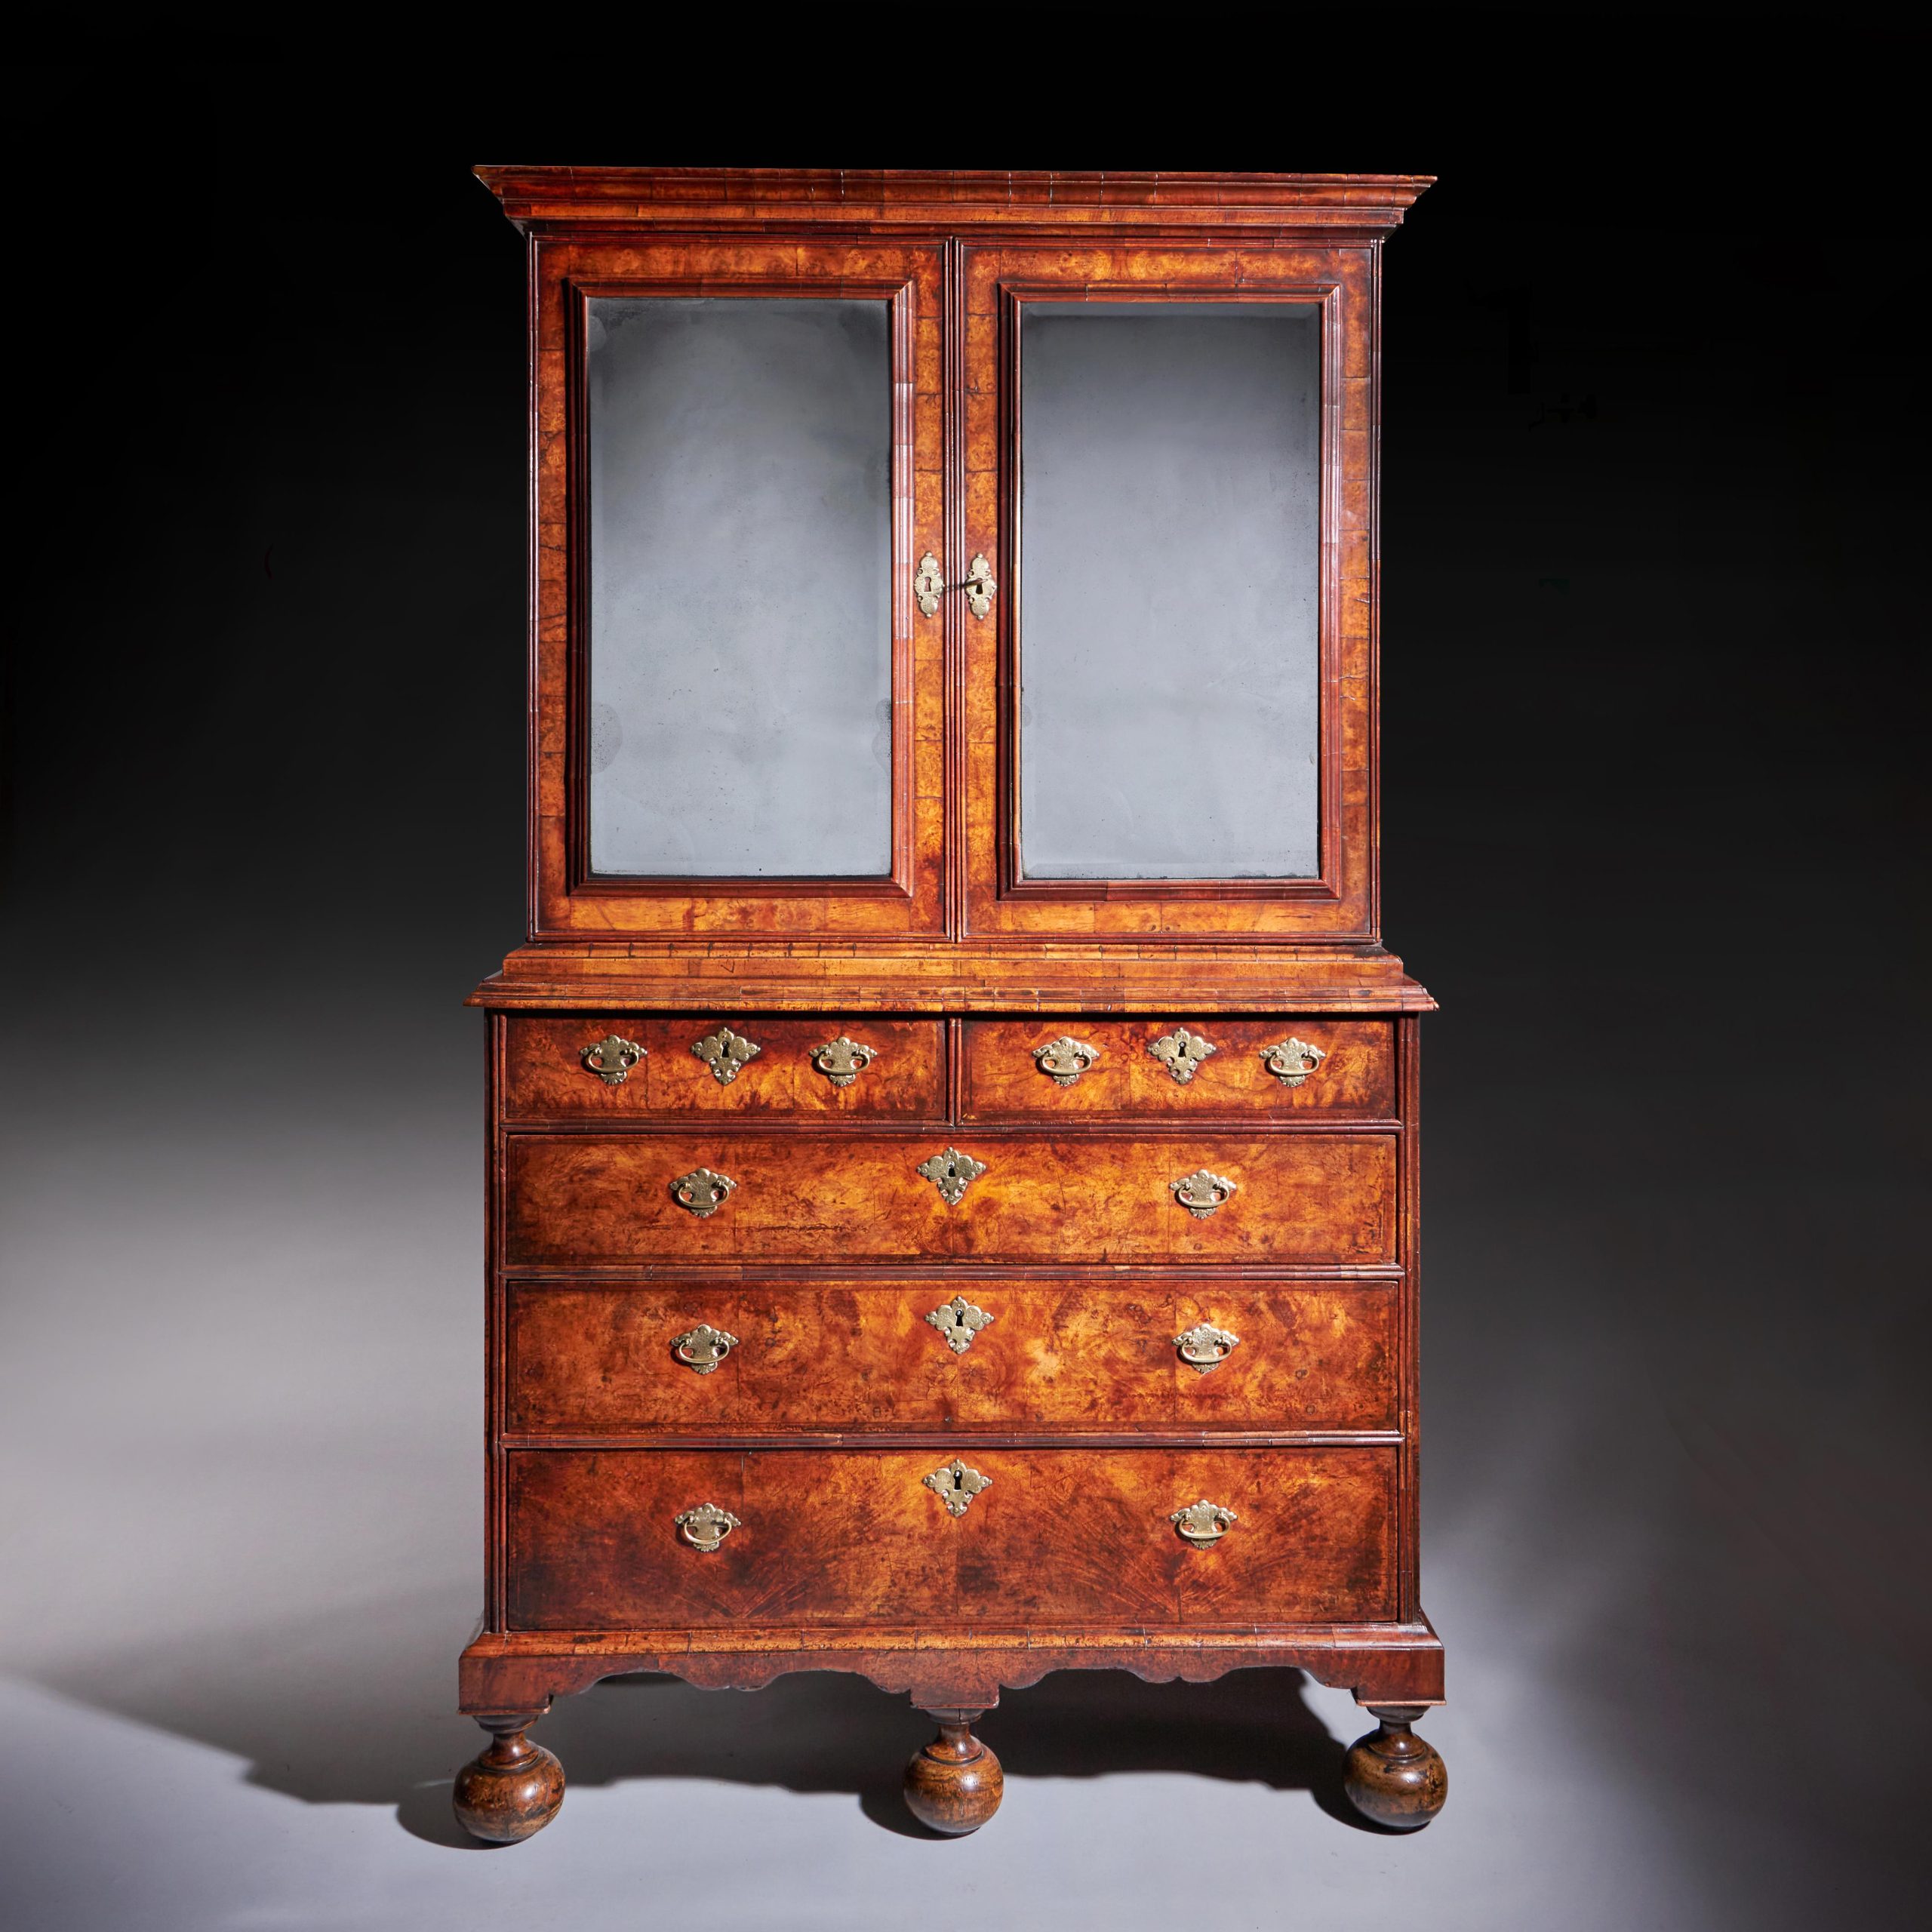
{"points": [[956, 1485], [959, 1321], [1181, 1053], [980, 587], [725, 1052], [953, 1173]]}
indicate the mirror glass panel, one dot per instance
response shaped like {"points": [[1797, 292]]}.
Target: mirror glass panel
{"points": [[740, 620], [1170, 555]]}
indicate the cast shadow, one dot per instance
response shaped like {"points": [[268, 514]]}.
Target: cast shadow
{"points": [[359, 1708]]}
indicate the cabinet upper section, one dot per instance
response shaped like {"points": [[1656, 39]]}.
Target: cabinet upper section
{"points": [[935, 559]]}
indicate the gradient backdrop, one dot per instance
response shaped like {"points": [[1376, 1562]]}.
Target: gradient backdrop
{"points": [[1654, 515]]}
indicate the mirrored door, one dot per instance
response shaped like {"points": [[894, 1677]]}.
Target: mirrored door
{"points": [[746, 736], [1164, 745]]}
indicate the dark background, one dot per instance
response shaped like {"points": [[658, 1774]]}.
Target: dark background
{"points": [[1653, 796]]}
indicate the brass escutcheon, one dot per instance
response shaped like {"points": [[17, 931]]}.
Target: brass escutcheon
{"points": [[841, 1061], [702, 1348], [1064, 1060], [1204, 1522], [980, 587], [1292, 1061], [724, 1052], [956, 1485], [959, 1321], [953, 1173], [1201, 1193], [705, 1526], [702, 1191], [928, 585], [1204, 1347], [611, 1058], [1180, 1052]]}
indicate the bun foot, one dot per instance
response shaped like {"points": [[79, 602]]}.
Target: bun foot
{"points": [[1391, 1775], [513, 1789], [954, 1784]]}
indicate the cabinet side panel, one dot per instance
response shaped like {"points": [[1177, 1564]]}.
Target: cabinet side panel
{"points": [[1409, 1253], [494, 1325]]}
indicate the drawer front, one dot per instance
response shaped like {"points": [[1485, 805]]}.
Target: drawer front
{"points": [[844, 1536], [1019, 1069], [875, 1069], [850, 1356], [590, 1201]]}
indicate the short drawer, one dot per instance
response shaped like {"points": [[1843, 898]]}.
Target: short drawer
{"points": [[860, 1536], [593, 1201], [1279, 1069], [695, 1357], [615, 1066]]}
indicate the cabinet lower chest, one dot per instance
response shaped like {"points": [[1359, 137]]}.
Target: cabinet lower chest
{"points": [[757, 1283]]}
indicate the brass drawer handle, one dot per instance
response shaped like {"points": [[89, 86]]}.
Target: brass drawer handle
{"points": [[724, 1052], [1201, 1192], [841, 1061], [959, 1321], [1064, 1060], [1181, 1052], [956, 1485], [703, 1191], [1204, 1347], [702, 1348], [953, 1173], [611, 1058], [1292, 1061], [705, 1526], [1204, 1522]]}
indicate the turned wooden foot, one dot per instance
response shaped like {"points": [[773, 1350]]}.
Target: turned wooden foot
{"points": [[954, 1784], [1391, 1775], [512, 1790]]}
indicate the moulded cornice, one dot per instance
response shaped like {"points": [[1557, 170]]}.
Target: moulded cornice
{"points": [[542, 198]]}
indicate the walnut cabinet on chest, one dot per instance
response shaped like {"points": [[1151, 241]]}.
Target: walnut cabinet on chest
{"points": [[953, 1160]]}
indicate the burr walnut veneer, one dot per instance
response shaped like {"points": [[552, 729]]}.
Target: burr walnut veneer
{"points": [[952, 1164]]}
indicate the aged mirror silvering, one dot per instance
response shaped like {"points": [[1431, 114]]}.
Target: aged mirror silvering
{"points": [[740, 621], [1170, 547]]}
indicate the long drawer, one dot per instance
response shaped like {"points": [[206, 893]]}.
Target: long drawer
{"points": [[618, 1066], [1097, 1355], [1282, 1069], [1056, 1536], [586, 1200]]}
